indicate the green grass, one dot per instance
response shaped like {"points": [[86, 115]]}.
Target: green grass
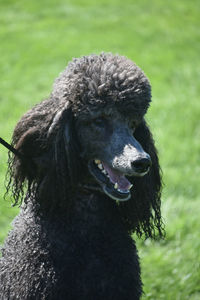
{"points": [[38, 38]]}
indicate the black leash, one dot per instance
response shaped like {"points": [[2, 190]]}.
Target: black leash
{"points": [[11, 148]]}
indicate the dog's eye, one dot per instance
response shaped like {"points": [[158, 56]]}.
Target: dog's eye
{"points": [[100, 122]]}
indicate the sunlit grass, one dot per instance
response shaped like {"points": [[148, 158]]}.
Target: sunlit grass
{"points": [[38, 38]]}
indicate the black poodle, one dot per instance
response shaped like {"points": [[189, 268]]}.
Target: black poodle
{"points": [[88, 175]]}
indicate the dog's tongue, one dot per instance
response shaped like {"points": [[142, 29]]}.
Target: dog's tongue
{"points": [[115, 177]]}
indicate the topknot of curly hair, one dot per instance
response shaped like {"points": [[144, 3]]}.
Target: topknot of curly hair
{"points": [[98, 79]]}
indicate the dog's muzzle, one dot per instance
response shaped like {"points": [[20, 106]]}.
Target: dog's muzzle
{"points": [[123, 157]]}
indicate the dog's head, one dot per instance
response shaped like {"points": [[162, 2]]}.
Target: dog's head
{"points": [[91, 134]]}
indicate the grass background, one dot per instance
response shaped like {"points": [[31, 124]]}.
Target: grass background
{"points": [[38, 38]]}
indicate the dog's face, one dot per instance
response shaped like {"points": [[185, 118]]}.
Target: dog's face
{"points": [[111, 152]]}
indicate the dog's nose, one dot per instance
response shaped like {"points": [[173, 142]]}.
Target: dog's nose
{"points": [[142, 165]]}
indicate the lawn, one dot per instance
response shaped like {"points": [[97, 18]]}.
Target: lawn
{"points": [[38, 38]]}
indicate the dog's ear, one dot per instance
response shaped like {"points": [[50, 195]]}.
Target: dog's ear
{"points": [[60, 179], [48, 161], [142, 212], [52, 179], [22, 169]]}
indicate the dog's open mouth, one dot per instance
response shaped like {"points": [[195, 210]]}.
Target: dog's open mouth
{"points": [[113, 183]]}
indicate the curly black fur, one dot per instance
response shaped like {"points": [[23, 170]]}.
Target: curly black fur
{"points": [[70, 240]]}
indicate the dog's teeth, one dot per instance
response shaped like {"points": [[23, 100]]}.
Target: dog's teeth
{"points": [[116, 186], [123, 191], [100, 166], [97, 161], [130, 187]]}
